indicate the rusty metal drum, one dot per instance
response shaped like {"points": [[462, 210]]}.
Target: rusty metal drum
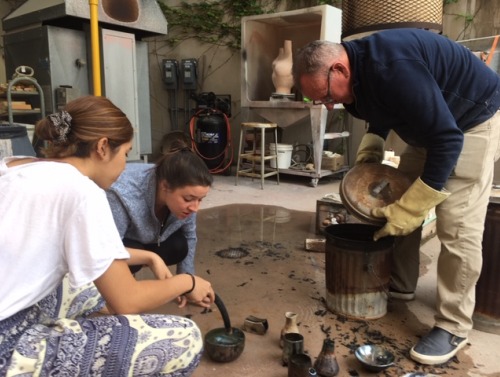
{"points": [[357, 270], [486, 315]]}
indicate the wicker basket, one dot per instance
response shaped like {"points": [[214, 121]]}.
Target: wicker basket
{"points": [[364, 16]]}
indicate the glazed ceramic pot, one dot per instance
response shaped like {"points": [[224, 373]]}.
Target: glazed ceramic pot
{"points": [[326, 363], [290, 326]]}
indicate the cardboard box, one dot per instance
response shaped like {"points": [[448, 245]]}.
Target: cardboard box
{"points": [[333, 163], [329, 211]]}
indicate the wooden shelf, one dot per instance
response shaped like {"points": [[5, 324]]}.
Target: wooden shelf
{"points": [[21, 112], [19, 93], [257, 157]]}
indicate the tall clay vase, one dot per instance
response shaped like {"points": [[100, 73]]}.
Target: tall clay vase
{"points": [[326, 364], [282, 69], [290, 326]]}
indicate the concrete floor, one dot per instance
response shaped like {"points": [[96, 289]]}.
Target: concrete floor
{"points": [[271, 273]]}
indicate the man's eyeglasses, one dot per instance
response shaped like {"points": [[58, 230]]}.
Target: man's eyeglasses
{"points": [[328, 99]]}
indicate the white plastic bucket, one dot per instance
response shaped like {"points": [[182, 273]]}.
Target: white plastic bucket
{"points": [[284, 152]]}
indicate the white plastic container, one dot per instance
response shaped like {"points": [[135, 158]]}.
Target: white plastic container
{"points": [[284, 152]]}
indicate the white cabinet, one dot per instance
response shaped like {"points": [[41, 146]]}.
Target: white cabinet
{"points": [[261, 38]]}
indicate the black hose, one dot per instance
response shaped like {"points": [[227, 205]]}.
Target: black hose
{"points": [[225, 316]]}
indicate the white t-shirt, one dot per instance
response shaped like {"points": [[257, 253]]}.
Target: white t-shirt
{"points": [[53, 221]]}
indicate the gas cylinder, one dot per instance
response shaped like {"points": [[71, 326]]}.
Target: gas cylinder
{"points": [[211, 138]]}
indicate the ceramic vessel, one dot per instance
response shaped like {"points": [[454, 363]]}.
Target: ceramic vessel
{"points": [[290, 326], [299, 365], [282, 69], [293, 344], [326, 363]]}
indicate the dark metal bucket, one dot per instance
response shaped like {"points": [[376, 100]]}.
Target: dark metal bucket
{"points": [[486, 315], [357, 270]]}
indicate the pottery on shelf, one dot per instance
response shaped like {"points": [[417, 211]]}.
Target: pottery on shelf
{"points": [[326, 363], [282, 69], [290, 326]]}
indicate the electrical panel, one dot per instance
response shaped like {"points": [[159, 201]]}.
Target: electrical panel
{"points": [[189, 74], [170, 69]]}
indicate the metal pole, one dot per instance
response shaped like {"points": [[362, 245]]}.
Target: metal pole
{"points": [[94, 37]]}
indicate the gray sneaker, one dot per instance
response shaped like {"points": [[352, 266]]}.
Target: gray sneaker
{"points": [[437, 347]]}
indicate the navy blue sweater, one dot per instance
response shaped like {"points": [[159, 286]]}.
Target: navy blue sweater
{"points": [[426, 88]]}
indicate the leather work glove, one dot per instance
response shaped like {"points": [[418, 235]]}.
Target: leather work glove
{"points": [[408, 213], [371, 149]]}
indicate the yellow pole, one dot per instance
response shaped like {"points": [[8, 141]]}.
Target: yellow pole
{"points": [[94, 38]]}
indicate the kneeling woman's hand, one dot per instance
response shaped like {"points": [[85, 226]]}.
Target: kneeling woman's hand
{"points": [[159, 268], [201, 294]]}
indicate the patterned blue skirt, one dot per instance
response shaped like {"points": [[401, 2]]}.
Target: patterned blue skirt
{"points": [[59, 337]]}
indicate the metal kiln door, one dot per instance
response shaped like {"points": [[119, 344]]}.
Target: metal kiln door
{"points": [[120, 78]]}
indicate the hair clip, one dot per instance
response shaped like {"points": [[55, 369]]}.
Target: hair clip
{"points": [[62, 124]]}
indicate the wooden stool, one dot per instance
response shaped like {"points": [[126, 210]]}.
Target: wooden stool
{"points": [[253, 156]]}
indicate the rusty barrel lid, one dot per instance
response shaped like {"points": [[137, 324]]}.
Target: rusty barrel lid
{"points": [[371, 185]]}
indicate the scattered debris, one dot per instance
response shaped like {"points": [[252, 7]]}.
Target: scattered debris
{"points": [[326, 330], [321, 312], [349, 333]]}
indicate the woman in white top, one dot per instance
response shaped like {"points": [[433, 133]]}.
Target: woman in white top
{"points": [[56, 225]]}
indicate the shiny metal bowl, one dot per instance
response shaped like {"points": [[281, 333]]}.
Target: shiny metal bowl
{"points": [[374, 358]]}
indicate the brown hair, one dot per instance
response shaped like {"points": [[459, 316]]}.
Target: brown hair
{"points": [[170, 139], [181, 167], [90, 119]]}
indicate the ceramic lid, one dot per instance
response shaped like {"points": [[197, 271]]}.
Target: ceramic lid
{"points": [[371, 185]]}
